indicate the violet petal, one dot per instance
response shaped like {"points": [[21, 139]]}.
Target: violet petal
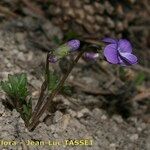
{"points": [[111, 53], [123, 62], [109, 40], [124, 46], [129, 58], [73, 44]]}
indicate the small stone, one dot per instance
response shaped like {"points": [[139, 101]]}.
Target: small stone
{"points": [[110, 23], [66, 120], [134, 137], [36, 83], [104, 117], [71, 12], [97, 27], [30, 56], [15, 113], [148, 142], [83, 112], [23, 48], [99, 19], [54, 10], [72, 113], [79, 115], [80, 21], [55, 135], [88, 26], [80, 13], [113, 146], [53, 128], [90, 19], [21, 56], [66, 4], [58, 116], [89, 9], [108, 7], [97, 112], [99, 8], [119, 26], [19, 37], [139, 129], [2, 109], [21, 121], [52, 30], [118, 118], [77, 3]]}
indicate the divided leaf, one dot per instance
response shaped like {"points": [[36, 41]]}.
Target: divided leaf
{"points": [[16, 89], [16, 86], [6, 87], [27, 111]]}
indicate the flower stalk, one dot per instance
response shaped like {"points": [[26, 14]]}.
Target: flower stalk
{"points": [[43, 88], [35, 120]]}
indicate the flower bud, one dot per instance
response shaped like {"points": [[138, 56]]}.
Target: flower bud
{"points": [[73, 44], [91, 55], [52, 59], [64, 49]]}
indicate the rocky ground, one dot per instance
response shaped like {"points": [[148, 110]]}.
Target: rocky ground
{"points": [[104, 107]]}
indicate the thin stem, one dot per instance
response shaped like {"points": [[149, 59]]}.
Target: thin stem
{"points": [[35, 121], [92, 41], [43, 88]]}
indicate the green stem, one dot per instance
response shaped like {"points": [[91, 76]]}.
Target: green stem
{"points": [[35, 121]]}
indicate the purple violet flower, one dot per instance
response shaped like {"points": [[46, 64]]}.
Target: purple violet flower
{"points": [[91, 56], [73, 44], [119, 52]]}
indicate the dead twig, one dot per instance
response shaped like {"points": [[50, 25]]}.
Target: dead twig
{"points": [[142, 68], [7, 12], [86, 89], [142, 96], [33, 7]]}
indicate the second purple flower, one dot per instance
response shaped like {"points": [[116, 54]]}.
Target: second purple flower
{"points": [[119, 52]]}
